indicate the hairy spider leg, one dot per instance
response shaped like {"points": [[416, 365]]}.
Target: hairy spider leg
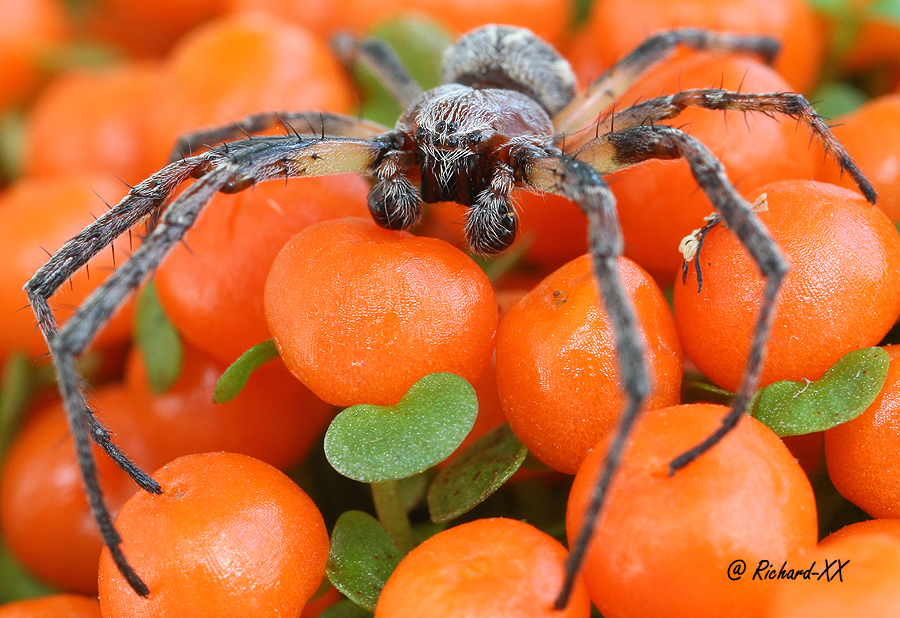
{"points": [[584, 109], [584, 185], [292, 123], [772, 104], [239, 166], [379, 58], [622, 149], [371, 53]]}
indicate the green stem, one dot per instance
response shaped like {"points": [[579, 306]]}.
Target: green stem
{"points": [[392, 514]]}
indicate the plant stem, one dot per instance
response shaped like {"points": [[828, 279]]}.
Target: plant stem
{"points": [[392, 514]]}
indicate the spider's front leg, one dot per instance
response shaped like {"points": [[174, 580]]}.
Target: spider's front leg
{"points": [[604, 91], [582, 184], [296, 123], [230, 169]]}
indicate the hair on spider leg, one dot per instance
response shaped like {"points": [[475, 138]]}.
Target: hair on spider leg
{"points": [[493, 125]]}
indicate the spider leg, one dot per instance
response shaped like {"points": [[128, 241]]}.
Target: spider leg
{"points": [[601, 93], [239, 166], [378, 57], [307, 123], [772, 104], [582, 184], [629, 147]]}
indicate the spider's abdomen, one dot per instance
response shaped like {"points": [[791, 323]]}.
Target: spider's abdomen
{"points": [[511, 58]]}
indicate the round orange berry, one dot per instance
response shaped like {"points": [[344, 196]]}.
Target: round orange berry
{"points": [[229, 536], [842, 291], [674, 545], [863, 455], [498, 568], [360, 313], [212, 285], [557, 369], [53, 606]]}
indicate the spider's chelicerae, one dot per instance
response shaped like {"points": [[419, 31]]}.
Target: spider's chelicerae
{"points": [[507, 115]]}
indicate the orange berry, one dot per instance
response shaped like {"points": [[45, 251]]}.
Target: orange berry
{"points": [[550, 19], [360, 313], [95, 122], [855, 575], [889, 527], [659, 202], [39, 215], [615, 27], [868, 134], [44, 514], [664, 544], [863, 455], [29, 31], [243, 64], [556, 361], [211, 287], [229, 536], [148, 27], [274, 418], [842, 292], [494, 568], [53, 606]]}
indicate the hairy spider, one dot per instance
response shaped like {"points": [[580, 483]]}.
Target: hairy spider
{"points": [[507, 115]]}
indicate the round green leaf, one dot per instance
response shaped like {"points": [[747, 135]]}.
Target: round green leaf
{"points": [[232, 382], [372, 443], [361, 558], [477, 473], [844, 392]]}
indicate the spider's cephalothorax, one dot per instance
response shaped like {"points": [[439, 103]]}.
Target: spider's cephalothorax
{"points": [[498, 122], [502, 85]]}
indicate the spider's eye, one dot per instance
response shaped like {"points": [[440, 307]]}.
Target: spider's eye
{"points": [[441, 126], [452, 127], [474, 137], [420, 133]]}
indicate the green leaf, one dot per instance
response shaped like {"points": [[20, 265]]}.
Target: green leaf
{"points": [[886, 10], [841, 394], [837, 98], [18, 384], [345, 609], [372, 443], [477, 473], [232, 382], [361, 558], [157, 339], [17, 583]]}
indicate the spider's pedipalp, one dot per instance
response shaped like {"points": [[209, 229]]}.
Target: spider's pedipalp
{"points": [[393, 200], [582, 184], [491, 222]]}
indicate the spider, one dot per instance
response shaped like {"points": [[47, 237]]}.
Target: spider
{"points": [[507, 115]]}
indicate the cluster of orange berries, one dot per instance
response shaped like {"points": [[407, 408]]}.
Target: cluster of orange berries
{"points": [[359, 315]]}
